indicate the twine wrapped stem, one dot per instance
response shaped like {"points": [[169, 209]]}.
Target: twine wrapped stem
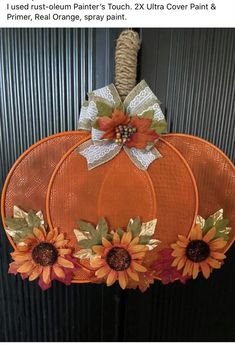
{"points": [[128, 45]]}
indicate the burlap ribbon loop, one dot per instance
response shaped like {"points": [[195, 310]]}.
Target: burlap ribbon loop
{"points": [[98, 151]]}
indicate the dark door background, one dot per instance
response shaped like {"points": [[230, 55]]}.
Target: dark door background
{"points": [[44, 76]]}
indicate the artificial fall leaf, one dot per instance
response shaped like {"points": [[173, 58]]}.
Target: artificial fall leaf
{"points": [[22, 223], [84, 254], [145, 279], [160, 127], [87, 228], [218, 221], [102, 227], [103, 109], [120, 232], [148, 229], [95, 124], [145, 231], [81, 235], [148, 114], [91, 236], [164, 270], [33, 220], [134, 226]]}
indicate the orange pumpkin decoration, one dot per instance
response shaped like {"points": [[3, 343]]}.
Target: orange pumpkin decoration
{"points": [[143, 189]]}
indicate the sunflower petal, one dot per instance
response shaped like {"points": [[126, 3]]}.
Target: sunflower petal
{"points": [[50, 235], [35, 273], [46, 274], [217, 244], [112, 277], [217, 255], [133, 275], [178, 252], [139, 255], [176, 261], [188, 268], [209, 235], [205, 269], [98, 250], [59, 272], [106, 243], [181, 263], [26, 267], [116, 239], [195, 270], [126, 238], [213, 262], [97, 262], [55, 234], [122, 278], [134, 241], [39, 234], [196, 233], [103, 271], [138, 248], [64, 262], [64, 251], [61, 244], [181, 244], [183, 239], [60, 237], [21, 256], [174, 246], [137, 267]]}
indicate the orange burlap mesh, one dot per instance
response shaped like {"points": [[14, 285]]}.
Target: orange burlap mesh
{"points": [[27, 182], [118, 191], [214, 174], [176, 197]]}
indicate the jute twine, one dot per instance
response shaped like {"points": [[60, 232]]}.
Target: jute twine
{"points": [[128, 45]]}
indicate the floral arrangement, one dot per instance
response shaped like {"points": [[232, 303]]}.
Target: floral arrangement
{"points": [[114, 255]]}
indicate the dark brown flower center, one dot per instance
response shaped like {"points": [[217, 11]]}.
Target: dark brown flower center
{"points": [[118, 259], [123, 133], [197, 250], [45, 254]]}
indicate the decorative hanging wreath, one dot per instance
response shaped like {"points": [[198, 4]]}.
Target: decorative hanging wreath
{"points": [[119, 200]]}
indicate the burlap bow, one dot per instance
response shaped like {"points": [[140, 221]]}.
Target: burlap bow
{"points": [[141, 100]]}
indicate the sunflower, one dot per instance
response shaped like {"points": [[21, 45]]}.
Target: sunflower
{"points": [[119, 259], [46, 256], [199, 252], [132, 131]]}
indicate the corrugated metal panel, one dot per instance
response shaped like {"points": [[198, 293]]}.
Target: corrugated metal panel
{"points": [[44, 76]]}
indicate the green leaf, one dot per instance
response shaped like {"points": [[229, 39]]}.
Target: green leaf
{"points": [[95, 124], [209, 223], [148, 114], [109, 237], [103, 109], [120, 107], [102, 227], [135, 227], [221, 224], [145, 239], [18, 229], [120, 232], [16, 223], [89, 243], [160, 127], [85, 226], [33, 220]]}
